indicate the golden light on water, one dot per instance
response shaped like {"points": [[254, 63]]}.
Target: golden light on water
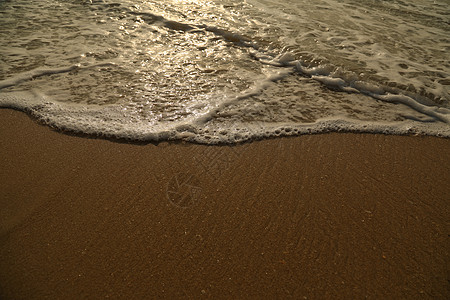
{"points": [[176, 59]]}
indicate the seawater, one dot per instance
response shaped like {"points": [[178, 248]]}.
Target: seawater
{"points": [[228, 71]]}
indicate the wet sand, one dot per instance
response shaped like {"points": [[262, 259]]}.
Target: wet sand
{"points": [[332, 216]]}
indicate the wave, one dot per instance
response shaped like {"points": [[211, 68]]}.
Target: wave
{"points": [[184, 79], [112, 121]]}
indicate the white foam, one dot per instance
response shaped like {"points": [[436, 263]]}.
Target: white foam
{"points": [[39, 72], [256, 89], [116, 121], [34, 74], [113, 121], [440, 114]]}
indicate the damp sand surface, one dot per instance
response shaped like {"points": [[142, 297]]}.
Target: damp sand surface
{"points": [[316, 216]]}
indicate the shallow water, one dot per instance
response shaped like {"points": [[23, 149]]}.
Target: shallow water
{"points": [[228, 71]]}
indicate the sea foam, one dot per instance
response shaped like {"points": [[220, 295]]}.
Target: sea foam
{"points": [[115, 121]]}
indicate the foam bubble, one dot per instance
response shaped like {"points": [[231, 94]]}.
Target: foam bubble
{"points": [[111, 122]]}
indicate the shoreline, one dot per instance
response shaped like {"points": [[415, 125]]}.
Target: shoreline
{"points": [[335, 215]]}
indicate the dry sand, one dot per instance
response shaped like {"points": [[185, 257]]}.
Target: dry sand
{"points": [[337, 216]]}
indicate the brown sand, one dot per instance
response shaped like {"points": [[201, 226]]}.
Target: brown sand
{"points": [[337, 216]]}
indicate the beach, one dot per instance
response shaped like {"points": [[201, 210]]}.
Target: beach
{"points": [[327, 216], [224, 149]]}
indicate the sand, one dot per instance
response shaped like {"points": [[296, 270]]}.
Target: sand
{"points": [[331, 216]]}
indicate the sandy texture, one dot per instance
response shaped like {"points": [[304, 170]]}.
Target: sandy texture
{"points": [[338, 216]]}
